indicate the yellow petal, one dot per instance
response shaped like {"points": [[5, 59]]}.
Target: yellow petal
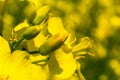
{"points": [[40, 72], [69, 41], [33, 45], [62, 65], [4, 50], [55, 25], [4, 56], [19, 66], [19, 58], [20, 28]]}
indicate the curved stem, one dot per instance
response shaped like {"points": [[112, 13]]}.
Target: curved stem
{"points": [[43, 60], [81, 77]]}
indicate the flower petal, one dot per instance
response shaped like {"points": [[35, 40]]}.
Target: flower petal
{"points": [[55, 26], [19, 66], [61, 64], [4, 56], [4, 49]]}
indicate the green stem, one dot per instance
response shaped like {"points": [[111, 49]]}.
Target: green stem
{"points": [[79, 74], [16, 44], [81, 77], [34, 52], [43, 60]]}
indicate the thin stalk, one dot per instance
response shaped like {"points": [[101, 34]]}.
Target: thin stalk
{"points": [[79, 74], [43, 60], [16, 44], [34, 52], [81, 77]]}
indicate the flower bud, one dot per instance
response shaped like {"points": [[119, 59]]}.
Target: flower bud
{"points": [[52, 43], [20, 28], [30, 12], [31, 32], [40, 15]]}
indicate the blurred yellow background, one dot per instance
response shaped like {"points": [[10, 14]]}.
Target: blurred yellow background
{"points": [[97, 19]]}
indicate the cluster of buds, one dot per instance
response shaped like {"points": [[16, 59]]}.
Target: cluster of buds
{"points": [[45, 35]]}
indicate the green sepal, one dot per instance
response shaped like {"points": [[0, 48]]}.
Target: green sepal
{"points": [[52, 43], [41, 14], [31, 32]]}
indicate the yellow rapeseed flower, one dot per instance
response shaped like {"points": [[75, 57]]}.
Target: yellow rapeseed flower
{"points": [[17, 66]]}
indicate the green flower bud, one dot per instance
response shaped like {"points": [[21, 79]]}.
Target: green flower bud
{"points": [[31, 18], [40, 15], [52, 43], [30, 12], [31, 32]]}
